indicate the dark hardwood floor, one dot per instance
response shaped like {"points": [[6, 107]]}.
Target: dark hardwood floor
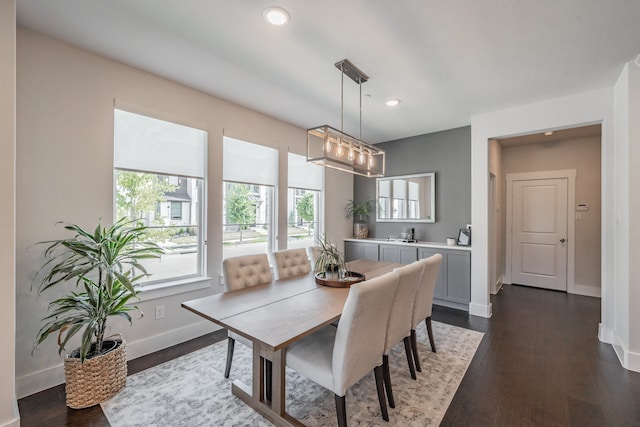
{"points": [[539, 364]]}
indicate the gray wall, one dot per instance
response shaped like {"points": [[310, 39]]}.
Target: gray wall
{"points": [[448, 154]]}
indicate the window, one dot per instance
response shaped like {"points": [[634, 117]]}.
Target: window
{"points": [[303, 202], [250, 174], [159, 180], [176, 210]]}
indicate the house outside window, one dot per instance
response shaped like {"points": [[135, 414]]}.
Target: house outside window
{"points": [[159, 181]]}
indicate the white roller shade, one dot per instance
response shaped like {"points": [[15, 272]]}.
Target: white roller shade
{"points": [[304, 175], [151, 145], [384, 188], [414, 191], [250, 163], [399, 189]]}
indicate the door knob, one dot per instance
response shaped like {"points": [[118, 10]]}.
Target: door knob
{"points": [[562, 240]]}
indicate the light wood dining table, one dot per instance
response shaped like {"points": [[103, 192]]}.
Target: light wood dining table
{"points": [[273, 316]]}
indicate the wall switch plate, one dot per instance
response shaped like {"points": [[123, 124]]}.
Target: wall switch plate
{"points": [[159, 312]]}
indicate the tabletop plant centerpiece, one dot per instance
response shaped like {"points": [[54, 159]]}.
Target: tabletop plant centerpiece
{"points": [[359, 211], [102, 267], [330, 267]]}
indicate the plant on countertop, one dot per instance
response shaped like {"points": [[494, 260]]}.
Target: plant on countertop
{"points": [[359, 210], [105, 266], [328, 258]]}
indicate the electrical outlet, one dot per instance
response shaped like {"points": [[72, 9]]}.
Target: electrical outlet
{"points": [[159, 312]]}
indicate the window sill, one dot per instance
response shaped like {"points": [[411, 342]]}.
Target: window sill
{"points": [[162, 290]]}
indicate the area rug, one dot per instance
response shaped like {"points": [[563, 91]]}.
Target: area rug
{"points": [[192, 391]]}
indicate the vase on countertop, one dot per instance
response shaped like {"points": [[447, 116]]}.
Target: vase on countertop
{"points": [[360, 229]]}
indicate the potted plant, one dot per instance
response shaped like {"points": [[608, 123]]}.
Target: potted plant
{"points": [[103, 267], [328, 259], [359, 211]]}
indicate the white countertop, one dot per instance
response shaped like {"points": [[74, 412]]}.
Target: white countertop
{"points": [[414, 244]]}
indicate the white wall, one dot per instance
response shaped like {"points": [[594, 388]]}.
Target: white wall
{"points": [[625, 335], [65, 101], [582, 109], [613, 108], [8, 406]]}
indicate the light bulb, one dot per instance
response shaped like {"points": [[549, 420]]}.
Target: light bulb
{"points": [[371, 161], [361, 158], [339, 150], [351, 155], [327, 147]]}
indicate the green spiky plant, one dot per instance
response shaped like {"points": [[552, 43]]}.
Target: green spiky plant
{"points": [[328, 258], [358, 210], [104, 266]]}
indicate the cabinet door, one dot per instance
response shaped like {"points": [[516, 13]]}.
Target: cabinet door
{"points": [[356, 250], [439, 291], [389, 253], [408, 255], [352, 251], [458, 269], [369, 251]]}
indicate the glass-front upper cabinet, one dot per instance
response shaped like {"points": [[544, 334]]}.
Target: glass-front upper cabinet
{"points": [[406, 198]]}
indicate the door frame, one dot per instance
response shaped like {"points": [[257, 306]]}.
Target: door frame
{"points": [[570, 176]]}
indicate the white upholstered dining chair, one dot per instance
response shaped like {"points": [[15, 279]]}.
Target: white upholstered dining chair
{"points": [[292, 262], [399, 325], [243, 272], [424, 302], [337, 358]]}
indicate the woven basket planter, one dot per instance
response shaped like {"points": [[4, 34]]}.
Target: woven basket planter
{"points": [[98, 378]]}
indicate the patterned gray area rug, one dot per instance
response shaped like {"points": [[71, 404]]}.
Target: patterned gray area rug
{"points": [[192, 391]]}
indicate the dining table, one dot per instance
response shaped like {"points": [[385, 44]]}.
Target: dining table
{"points": [[272, 316]]}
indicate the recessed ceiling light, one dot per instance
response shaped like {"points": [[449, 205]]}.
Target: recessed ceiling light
{"points": [[548, 133], [393, 102], [276, 16]]}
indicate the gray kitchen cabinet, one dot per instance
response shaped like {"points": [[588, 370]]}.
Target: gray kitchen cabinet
{"points": [[453, 286], [396, 253], [360, 250]]}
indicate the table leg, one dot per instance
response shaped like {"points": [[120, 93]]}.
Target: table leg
{"points": [[278, 382]]}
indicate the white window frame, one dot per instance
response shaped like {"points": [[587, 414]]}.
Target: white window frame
{"points": [[152, 289]]}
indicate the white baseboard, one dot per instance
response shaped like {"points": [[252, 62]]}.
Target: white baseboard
{"points": [[480, 310], [628, 359], [29, 384], [12, 423], [587, 290]]}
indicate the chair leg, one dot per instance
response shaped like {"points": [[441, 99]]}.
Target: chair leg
{"points": [[230, 345], [341, 411], [414, 348], [380, 388], [430, 332], [407, 350], [387, 380]]}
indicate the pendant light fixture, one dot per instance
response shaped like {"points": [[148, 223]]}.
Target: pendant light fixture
{"points": [[332, 148]]}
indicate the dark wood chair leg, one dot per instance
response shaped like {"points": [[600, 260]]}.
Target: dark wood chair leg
{"points": [[414, 348], [387, 380], [341, 411], [230, 345], [268, 369], [377, 371], [430, 332], [407, 350]]}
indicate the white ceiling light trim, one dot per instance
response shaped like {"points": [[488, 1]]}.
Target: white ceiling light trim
{"points": [[276, 16]]}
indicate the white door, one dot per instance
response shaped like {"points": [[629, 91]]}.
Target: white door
{"points": [[539, 233]]}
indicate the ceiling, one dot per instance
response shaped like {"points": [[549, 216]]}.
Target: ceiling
{"points": [[445, 60], [553, 136]]}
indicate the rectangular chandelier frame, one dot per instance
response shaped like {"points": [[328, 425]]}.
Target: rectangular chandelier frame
{"points": [[329, 147]]}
